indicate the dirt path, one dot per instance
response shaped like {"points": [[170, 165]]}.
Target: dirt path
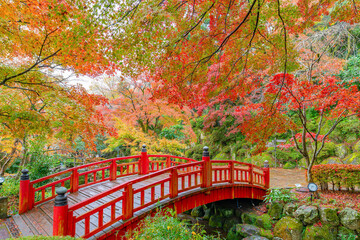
{"points": [[280, 178]]}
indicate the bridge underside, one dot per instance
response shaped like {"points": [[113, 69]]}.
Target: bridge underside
{"points": [[184, 202]]}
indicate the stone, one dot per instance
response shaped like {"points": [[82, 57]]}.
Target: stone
{"points": [[207, 214], [3, 207], [245, 230], [227, 212], [356, 147], [350, 218], [307, 214], [328, 215], [289, 209], [275, 210], [255, 237], [266, 233], [197, 212], [248, 218], [230, 222], [238, 213], [288, 228], [216, 221], [342, 150], [263, 221], [352, 159], [345, 233], [325, 232], [332, 160], [277, 238]]}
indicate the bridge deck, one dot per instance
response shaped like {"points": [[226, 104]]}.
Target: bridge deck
{"points": [[39, 221]]}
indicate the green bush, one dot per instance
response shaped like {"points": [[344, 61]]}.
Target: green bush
{"points": [[327, 151], [164, 225], [46, 238], [10, 187], [279, 195], [289, 165]]}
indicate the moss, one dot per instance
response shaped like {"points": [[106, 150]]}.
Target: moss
{"points": [[230, 222], [227, 212], [216, 221], [266, 233], [248, 218], [342, 150], [345, 232], [332, 160], [232, 234], [329, 216], [197, 212], [288, 228], [275, 210], [352, 159], [325, 232], [264, 221]]}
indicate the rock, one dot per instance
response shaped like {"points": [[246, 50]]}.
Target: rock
{"points": [[248, 218], [275, 210], [216, 221], [245, 230], [227, 212], [325, 232], [238, 213], [288, 228], [197, 212], [266, 233], [207, 214], [255, 237], [307, 214], [342, 150], [329, 215], [289, 209], [332, 160], [277, 238], [356, 147], [230, 222], [345, 233], [263, 221], [350, 218], [352, 159]]}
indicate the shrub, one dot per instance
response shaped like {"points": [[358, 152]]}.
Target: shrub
{"points": [[289, 165], [279, 195], [337, 174], [46, 238], [164, 225], [10, 187]]}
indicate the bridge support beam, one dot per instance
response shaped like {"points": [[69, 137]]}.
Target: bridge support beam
{"points": [[60, 218], [24, 194], [207, 171], [144, 161]]}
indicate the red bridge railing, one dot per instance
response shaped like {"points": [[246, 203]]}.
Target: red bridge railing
{"points": [[170, 175]]}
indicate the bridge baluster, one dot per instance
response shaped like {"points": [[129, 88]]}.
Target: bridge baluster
{"points": [[60, 218], [251, 172], [207, 171], [24, 195], [74, 180], [174, 182], [113, 169], [128, 202], [231, 172], [266, 170], [144, 161]]}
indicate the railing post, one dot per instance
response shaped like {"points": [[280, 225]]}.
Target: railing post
{"points": [[60, 219], [168, 162], [113, 169], [74, 180], [144, 161], [71, 224], [266, 170], [231, 172], [251, 171], [24, 193], [206, 171], [128, 202], [174, 183]]}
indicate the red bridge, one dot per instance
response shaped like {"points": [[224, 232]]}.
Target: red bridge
{"points": [[107, 198]]}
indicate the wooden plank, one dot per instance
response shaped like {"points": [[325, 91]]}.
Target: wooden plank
{"points": [[23, 227]]}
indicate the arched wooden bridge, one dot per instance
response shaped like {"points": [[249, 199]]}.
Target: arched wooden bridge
{"points": [[107, 198]]}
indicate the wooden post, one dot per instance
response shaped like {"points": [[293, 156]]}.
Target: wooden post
{"points": [[251, 170], [168, 162], [71, 224], [231, 172], [174, 183], [24, 193], [207, 171], [74, 180], [266, 170], [113, 169], [128, 202], [144, 161], [60, 218]]}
